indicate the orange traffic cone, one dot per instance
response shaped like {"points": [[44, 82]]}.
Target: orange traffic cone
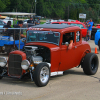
{"points": [[96, 52]]}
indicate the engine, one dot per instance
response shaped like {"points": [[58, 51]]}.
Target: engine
{"points": [[21, 63], [37, 54]]}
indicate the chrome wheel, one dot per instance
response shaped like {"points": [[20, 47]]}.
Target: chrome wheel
{"points": [[44, 74]]}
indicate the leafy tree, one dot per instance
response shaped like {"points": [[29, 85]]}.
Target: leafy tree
{"points": [[63, 9], [2, 5]]}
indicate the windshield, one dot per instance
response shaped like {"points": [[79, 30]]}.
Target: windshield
{"points": [[43, 36], [79, 25]]}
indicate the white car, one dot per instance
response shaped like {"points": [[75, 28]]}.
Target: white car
{"points": [[25, 21], [2, 23]]}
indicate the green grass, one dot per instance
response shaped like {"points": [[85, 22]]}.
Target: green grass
{"points": [[42, 22], [15, 22]]}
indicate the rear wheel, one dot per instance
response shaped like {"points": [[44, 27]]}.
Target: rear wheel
{"points": [[42, 74], [90, 64]]}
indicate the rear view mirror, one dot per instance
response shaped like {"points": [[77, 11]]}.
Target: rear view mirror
{"points": [[66, 43]]}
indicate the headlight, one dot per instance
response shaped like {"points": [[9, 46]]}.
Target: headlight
{"points": [[25, 64], [3, 61]]}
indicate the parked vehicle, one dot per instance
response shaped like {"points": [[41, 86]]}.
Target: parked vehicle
{"points": [[8, 44], [97, 38], [51, 20], [46, 53], [98, 25], [77, 23], [25, 21], [94, 30], [2, 23]]}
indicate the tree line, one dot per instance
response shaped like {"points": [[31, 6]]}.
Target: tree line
{"points": [[56, 9]]}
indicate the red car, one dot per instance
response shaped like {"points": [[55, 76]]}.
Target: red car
{"points": [[48, 53], [98, 26], [77, 23]]}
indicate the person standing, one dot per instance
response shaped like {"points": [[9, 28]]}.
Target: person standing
{"points": [[87, 35], [19, 25], [31, 22], [38, 22], [90, 24], [8, 32]]}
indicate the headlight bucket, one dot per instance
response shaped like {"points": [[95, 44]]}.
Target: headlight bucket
{"points": [[25, 64], [3, 61]]}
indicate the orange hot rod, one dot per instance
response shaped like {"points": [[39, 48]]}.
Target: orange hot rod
{"points": [[48, 53]]}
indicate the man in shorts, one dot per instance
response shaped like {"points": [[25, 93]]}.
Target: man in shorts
{"points": [[90, 24]]}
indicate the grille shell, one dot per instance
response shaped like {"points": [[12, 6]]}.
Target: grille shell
{"points": [[14, 65]]}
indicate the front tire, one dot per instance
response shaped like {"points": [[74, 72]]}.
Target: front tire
{"points": [[90, 64], [42, 74]]}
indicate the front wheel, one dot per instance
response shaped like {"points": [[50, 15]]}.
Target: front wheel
{"points": [[90, 64], [42, 74]]}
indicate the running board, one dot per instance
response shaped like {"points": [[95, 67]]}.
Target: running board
{"points": [[56, 73]]}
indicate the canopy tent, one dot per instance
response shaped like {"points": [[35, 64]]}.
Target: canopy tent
{"points": [[3, 17], [16, 13]]}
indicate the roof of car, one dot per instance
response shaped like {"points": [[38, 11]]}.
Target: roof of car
{"points": [[53, 26]]}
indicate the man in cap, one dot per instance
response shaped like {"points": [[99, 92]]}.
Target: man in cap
{"points": [[8, 32], [19, 25], [30, 22]]}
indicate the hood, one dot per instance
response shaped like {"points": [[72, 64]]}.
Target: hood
{"points": [[52, 47]]}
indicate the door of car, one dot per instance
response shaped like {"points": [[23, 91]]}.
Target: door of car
{"points": [[84, 32], [69, 56]]}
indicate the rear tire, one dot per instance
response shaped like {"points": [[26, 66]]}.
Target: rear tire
{"points": [[90, 64], [42, 74]]}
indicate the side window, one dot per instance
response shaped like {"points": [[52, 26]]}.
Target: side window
{"points": [[67, 37], [77, 36]]}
